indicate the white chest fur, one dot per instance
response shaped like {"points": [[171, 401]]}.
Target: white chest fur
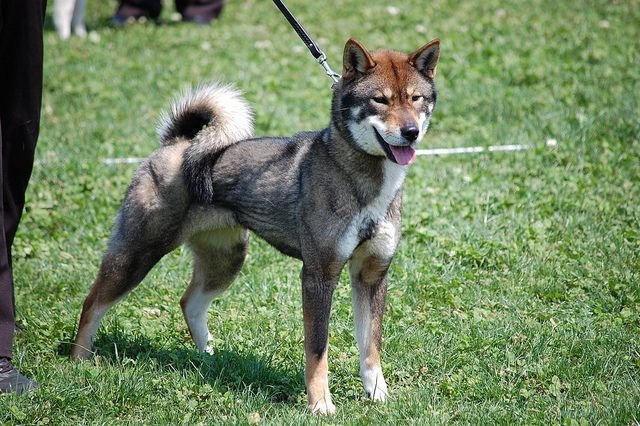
{"points": [[375, 211]]}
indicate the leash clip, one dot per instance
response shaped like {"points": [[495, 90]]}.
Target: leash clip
{"points": [[322, 60]]}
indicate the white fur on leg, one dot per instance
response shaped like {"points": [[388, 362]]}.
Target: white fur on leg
{"points": [[83, 348], [195, 314], [323, 406], [374, 384]]}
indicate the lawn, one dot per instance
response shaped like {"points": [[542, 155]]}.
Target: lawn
{"points": [[514, 297]]}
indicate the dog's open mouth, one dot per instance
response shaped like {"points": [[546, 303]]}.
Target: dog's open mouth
{"points": [[402, 155]]}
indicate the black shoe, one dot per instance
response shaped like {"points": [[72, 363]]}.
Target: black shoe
{"points": [[128, 14], [197, 19], [12, 381], [122, 20]]}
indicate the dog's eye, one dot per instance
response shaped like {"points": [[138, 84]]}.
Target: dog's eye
{"points": [[380, 100], [416, 98]]}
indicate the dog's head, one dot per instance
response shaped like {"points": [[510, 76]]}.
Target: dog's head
{"points": [[385, 99]]}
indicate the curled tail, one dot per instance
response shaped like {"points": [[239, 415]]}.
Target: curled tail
{"points": [[212, 117]]}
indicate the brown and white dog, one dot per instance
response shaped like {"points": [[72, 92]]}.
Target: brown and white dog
{"points": [[328, 198]]}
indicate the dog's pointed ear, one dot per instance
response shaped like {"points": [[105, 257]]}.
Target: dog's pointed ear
{"points": [[425, 59], [356, 59]]}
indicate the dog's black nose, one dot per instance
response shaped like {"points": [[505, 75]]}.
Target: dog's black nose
{"points": [[410, 132]]}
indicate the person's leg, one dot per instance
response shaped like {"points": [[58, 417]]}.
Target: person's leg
{"points": [[199, 11], [7, 320], [136, 9], [21, 25]]}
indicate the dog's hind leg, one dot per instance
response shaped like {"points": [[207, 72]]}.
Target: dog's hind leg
{"points": [[120, 272], [148, 226], [217, 258]]}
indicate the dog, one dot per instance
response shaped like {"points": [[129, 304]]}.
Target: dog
{"points": [[68, 18], [328, 198]]}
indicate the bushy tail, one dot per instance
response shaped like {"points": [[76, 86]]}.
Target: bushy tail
{"points": [[212, 117]]}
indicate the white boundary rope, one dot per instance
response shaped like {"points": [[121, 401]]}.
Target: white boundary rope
{"points": [[126, 160], [434, 152], [551, 143]]}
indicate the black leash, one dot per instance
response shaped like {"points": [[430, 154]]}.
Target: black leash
{"points": [[315, 50]]}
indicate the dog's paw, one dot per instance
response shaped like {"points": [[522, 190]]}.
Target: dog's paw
{"points": [[379, 393], [374, 385], [80, 353], [323, 407]]}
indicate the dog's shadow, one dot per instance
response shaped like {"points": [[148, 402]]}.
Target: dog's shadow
{"points": [[223, 370]]}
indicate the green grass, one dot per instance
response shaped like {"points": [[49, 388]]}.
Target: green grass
{"points": [[514, 297]]}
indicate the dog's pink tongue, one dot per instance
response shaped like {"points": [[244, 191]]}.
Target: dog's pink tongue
{"points": [[403, 154]]}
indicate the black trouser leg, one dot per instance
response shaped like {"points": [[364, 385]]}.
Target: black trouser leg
{"points": [[139, 8], [207, 10], [21, 25]]}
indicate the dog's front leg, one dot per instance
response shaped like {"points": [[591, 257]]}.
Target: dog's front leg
{"points": [[369, 290], [317, 291], [368, 271]]}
